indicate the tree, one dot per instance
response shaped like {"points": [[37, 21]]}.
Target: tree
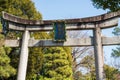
{"points": [[6, 70], [57, 64], [111, 72], [61, 59], [27, 10], [36, 58], [81, 56], [112, 5], [116, 52], [78, 76], [88, 62]]}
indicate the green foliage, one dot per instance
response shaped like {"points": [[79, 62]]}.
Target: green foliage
{"points": [[35, 60], [0, 28], [110, 73], [27, 10], [6, 70], [24, 8], [112, 5], [34, 63], [56, 64], [36, 67], [116, 52], [116, 31], [78, 76], [54, 70], [88, 63]]}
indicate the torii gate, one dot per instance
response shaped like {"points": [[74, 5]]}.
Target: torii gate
{"points": [[95, 23]]}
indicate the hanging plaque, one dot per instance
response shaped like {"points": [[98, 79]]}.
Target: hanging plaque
{"points": [[59, 31]]}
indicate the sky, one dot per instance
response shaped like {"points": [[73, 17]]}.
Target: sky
{"points": [[68, 9], [60, 9]]}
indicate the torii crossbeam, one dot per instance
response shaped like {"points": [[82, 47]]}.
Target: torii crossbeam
{"points": [[95, 23]]}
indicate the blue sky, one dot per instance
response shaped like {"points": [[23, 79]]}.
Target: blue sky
{"points": [[61, 9]]}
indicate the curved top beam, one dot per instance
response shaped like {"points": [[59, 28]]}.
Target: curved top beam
{"points": [[102, 20], [102, 17]]}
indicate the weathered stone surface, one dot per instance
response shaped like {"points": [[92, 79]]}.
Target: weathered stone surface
{"points": [[102, 17], [102, 21], [70, 42]]}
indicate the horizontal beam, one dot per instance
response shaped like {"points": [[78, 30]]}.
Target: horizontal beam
{"points": [[76, 26], [110, 41], [98, 18], [12, 43], [70, 42], [102, 21]]}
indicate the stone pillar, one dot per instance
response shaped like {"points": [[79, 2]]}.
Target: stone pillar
{"points": [[98, 52], [23, 56]]}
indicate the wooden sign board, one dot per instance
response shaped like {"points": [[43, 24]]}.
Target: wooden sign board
{"points": [[59, 30]]}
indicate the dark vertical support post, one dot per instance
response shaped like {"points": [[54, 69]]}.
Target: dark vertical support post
{"points": [[23, 57], [98, 52]]}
